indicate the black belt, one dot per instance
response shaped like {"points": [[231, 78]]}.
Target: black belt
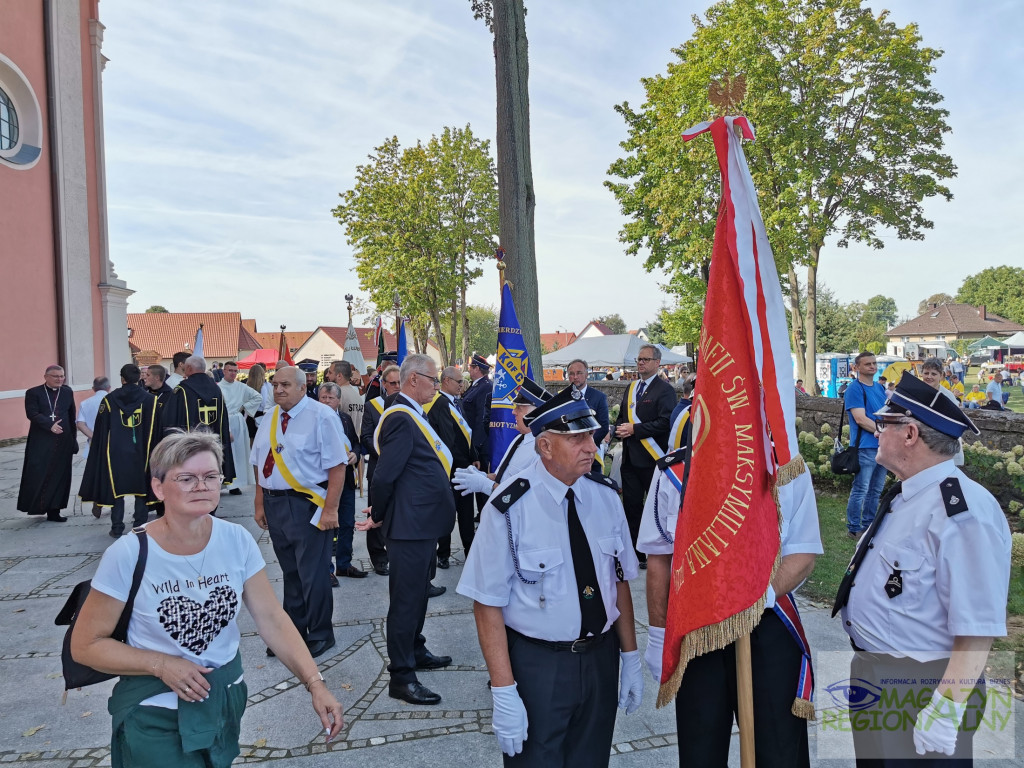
{"points": [[287, 492], [582, 645]]}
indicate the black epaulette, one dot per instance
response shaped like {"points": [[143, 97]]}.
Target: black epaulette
{"points": [[510, 495], [672, 457], [599, 477], [952, 496]]}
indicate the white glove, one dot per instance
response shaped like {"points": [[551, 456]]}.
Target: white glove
{"points": [[509, 720], [631, 681], [655, 646], [472, 480], [937, 724]]}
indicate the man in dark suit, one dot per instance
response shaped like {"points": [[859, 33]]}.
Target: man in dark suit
{"points": [[390, 384], [476, 408], [445, 415], [643, 426], [413, 503], [598, 401], [52, 442]]}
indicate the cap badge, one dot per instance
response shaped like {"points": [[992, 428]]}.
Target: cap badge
{"points": [[588, 592], [506, 498]]}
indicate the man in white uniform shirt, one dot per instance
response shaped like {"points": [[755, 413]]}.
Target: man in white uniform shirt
{"points": [[239, 400], [86, 421], [299, 457], [548, 574], [925, 592]]}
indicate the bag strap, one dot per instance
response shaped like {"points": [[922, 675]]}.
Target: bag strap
{"points": [[860, 429], [121, 630]]}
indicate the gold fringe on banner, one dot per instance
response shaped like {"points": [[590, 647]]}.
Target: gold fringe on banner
{"points": [[803, 709], [791, 470]]}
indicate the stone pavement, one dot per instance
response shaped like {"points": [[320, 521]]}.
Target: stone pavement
{"points": [[40, 562]]}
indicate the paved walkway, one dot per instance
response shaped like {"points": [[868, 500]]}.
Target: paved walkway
{"points": [[40, 562]]}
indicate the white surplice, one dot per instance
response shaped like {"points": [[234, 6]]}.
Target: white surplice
{"points": [[240, 399]]}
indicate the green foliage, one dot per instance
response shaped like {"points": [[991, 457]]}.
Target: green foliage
{"points": [[1000, 289], [483, 330], [854, 326], [614, 322], [421, 220], [935, 298], [850, 138], [881, 310], [682, 321], [156, 308]]}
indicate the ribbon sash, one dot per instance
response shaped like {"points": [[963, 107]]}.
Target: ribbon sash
{"points": [[438, 446], [676, 435], [648, 442], [378, 403], [282, 466]]}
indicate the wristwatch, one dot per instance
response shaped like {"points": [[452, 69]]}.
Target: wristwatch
{"points": [[312, 680]]}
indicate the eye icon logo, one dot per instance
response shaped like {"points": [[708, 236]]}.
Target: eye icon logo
{"points": [[855, 694]]}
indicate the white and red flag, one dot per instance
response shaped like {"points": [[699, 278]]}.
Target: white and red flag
{"points": [[727, 539]]}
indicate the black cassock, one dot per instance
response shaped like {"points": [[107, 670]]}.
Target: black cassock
{"points": [[198, 403], [126, 431], [46, 473]]}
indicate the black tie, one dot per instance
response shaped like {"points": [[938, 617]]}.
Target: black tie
{"points": [[640, 390], [592, 614], [843, 595], [458, 406]]}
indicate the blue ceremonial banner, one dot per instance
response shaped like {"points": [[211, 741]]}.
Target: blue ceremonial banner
{"points": [[511, 364], [403, 347]]}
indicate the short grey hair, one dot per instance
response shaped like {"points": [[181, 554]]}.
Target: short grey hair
{"points": [[344, 367], [655, 352], [196, 363], [580, 361], [178, 447], [932, 363], [415, 364], [332, 388], [100, 382], [298, 375]]}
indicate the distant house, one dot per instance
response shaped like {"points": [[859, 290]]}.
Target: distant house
{"points": [[944, 324], [327, 344], [158, 335], [549, 342], [272, 339], [594, 328]]}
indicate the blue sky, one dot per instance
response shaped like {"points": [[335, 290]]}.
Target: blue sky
{"points": [[231, 128]]}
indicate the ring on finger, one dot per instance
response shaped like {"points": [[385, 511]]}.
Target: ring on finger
{"points": [[187, 689]]}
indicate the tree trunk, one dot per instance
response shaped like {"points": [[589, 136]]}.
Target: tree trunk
{"points": [[811, 322], [453, 330], [465, 321], [799, 336], [516, 200]]}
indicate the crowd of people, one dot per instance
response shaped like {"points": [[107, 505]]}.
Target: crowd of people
{"points": [[550, 546]]}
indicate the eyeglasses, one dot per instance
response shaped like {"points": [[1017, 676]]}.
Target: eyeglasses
{"points": [[392, 383], [191, 483], [646, 359], [435, 382], [883, 422]]}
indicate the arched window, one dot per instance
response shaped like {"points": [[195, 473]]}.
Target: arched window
{"points": [[8, 122]]}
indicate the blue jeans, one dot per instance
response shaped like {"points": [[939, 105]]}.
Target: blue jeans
{"points": [[346, 526], [866, 490]]}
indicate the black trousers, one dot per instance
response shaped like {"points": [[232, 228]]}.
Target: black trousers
{"points": [[413, 564], [304, 553], [706, 702], [635, 483], [570, 701], [376, 547], [878, 746], [139, 515], [464, 512]]}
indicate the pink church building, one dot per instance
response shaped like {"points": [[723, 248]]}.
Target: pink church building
{"points": [[60, 299]]}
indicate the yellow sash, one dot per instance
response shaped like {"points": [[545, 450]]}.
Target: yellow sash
{"points": [[676, 441], [282, 467], [378, 403], [467, 432], [648, 442], [438, 446]]}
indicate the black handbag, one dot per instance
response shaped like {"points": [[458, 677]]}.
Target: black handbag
{"points": [[78, 675], [846, 461]]}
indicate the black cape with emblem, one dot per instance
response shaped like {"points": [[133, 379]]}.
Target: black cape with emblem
{"points": [[126, 431], [198, 403], [46, 473]]}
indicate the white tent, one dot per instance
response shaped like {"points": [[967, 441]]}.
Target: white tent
{"points": [[617, 351], [1015, 341]]}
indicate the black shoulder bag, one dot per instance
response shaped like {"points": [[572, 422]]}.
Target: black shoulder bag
{"points": [[79, 675], [846, 461]]}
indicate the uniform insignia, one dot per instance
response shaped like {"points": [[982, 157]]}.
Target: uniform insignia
{"points": [[952, 496], [671, 458], [278, 448], [598, 477], [576, 394], [512, 494], [894, 585], [588, 592]]}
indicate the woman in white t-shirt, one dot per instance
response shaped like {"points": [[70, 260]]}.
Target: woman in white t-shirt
{"points": [[181, 694]]}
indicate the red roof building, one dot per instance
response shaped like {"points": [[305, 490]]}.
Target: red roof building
{"points": [[549, 342], [224, 337], [948, 323], [272, 339]]}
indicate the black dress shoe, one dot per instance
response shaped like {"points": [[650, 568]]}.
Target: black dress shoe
{"points": [[351, 572], [56, 517], [643, 565], [442, 562], [381, 569], [334, 581], [96, 511], [433, 591], [414, 693], [320, 647], [430, 661], [270, 653], [235, 492]]}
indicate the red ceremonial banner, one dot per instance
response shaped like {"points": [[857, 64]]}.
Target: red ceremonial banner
{"points": [[727, 535]]}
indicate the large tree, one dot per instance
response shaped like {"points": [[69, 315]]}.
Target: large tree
{"points": [[850, 141], [614, 322], [935, 298], [1000, 289], [421, 220]]}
